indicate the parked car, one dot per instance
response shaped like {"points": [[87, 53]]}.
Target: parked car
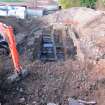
{"points": [[20, 12], [3, 11], [50, 9], [16, 11], [11, 11], [35, 12]]}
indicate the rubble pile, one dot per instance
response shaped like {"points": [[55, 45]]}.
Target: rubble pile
{"points": [[90, 30]]}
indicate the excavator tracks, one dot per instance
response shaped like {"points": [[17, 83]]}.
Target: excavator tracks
{"points": [[48, 50], [56, 45]]}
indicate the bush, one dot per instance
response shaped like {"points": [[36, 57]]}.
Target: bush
{"points": [[100, 4], [69, 3], [88, 3]]}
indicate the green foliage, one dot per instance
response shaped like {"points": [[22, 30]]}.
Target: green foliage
{"points": [[74, 3], [88, 3], [100, 4], [69, 3], [103, 2]]}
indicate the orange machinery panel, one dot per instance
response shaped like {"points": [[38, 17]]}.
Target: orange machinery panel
{"points": [[12, 45]]}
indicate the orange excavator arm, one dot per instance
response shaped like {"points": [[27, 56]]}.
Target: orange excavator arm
{"points": [[8, 35], [13, 50]]}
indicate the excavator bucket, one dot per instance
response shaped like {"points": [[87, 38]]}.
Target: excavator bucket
{"points": [[17, 77]]}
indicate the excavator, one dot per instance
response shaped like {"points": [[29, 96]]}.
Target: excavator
{"points": [[7, 42]]}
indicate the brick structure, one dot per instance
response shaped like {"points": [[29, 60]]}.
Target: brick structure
{"points": [[30, 3], [41, 3]]}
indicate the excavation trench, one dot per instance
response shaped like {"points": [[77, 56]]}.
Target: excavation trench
{"points": [[55, 45], [52, 55], [49, 46]]}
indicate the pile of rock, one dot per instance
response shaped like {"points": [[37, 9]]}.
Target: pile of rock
{"points": [[90, 30]]}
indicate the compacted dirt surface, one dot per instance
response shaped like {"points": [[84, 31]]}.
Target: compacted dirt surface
{"points": [[56, 82], [50, 81]]}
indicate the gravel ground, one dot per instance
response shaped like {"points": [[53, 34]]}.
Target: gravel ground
{"points": [[51, 81]]}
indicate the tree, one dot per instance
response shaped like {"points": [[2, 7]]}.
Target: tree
{"points": [[88, 3], [69, 3], [100, 4]]}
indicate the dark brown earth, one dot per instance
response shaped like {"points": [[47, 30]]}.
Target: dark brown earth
{"points": [[50, 81]]}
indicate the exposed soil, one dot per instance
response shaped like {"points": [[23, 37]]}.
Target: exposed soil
{"points": [[49, 81]]}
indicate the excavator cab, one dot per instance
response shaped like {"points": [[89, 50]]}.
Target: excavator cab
{"points": [[3, 43], [4, 48]]}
